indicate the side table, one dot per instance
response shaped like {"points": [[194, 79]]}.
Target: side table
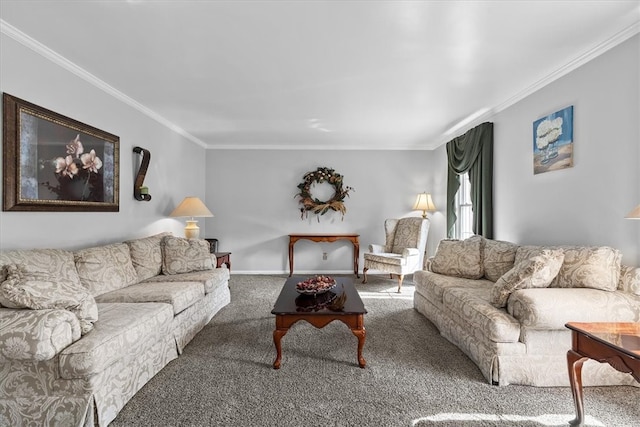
{"points": [[223, 258]]}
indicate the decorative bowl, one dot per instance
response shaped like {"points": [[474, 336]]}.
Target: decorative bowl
{"points": [[316, 285]]}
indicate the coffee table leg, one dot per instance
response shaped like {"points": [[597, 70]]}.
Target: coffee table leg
{"points": [[361, 335], [574, 363], [277, 336]]}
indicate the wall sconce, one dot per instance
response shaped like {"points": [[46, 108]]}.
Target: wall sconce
{"points": [[194, 208], [425, 204], [634, 214]]}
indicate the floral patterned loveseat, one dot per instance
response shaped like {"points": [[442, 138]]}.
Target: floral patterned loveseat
{"points": [[81, 332], [505, 306]]}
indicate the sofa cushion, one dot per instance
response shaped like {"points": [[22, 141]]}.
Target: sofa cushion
{"points": [[184, 255], [552, 308], [22, 289], [105, 268], [179, 294], [121, 332], [56, 264], [459, 258], [146, 255], [535, 272], [629, 279], [498, 258], [210, 279], [386, 258], [596, 267], [473, 307], [432, 285]]}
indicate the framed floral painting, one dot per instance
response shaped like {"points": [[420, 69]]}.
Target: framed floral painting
{"points": [[54, 163]]}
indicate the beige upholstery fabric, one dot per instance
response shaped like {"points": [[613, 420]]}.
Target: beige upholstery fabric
{"points": [[146, 255], [179, 294], [596, 267], [498, 258], [459, 258], [56, 264], [115, 336], [185, 255], [210, 279], [535, 272], [105, 268], [629, 279], [36, 334], [28, 290]]}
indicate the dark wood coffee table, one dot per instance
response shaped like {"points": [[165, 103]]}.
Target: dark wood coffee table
{"points": [[617, 344], [342, 303]]}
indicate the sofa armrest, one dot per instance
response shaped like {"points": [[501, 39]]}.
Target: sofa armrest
{"points": [[406, 253], [376, 249], [36, 334]]}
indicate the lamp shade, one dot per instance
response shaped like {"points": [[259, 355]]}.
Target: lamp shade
{"points": [[424, 203], [634, 214], [191, 207]]}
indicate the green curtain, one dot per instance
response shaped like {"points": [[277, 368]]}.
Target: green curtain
{"points": [[472, 153]]}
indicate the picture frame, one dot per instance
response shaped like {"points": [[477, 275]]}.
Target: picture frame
{"points": [[553, 141], [54, 163]]}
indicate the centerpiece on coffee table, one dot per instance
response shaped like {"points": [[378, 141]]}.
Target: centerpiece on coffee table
{"points": [[316, 285]]}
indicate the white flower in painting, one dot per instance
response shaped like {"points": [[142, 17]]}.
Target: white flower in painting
{"points": [[548, 132], [66, 166], [91, 161]]}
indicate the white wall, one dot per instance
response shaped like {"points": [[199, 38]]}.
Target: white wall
{"points": [[584, 204], [176, 169], [252, 195]]}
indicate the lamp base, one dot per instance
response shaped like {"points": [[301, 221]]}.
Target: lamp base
{"points": [[192, 231]]}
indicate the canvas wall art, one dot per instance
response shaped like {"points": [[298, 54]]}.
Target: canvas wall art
{"points": [[54, 163], [553, 141]]}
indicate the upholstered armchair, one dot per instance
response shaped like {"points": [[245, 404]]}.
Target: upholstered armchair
{"points": [[403, 253]]}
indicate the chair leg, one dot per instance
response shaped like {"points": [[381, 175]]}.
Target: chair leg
{"points": [[400, 278], [364, 273]]}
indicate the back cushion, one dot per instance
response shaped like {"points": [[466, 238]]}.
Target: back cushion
{"points": [[105, 268], [499, 257], [185, 255], [629, 279], [146, 255], [57, 264], [459, 258], [407, 234], [596, 267]]}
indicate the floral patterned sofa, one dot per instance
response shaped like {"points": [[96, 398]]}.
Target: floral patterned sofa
{"points": [[505, 306], [81, 332]]}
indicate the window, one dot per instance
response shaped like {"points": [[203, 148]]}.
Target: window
{"points": [[463, 227]]}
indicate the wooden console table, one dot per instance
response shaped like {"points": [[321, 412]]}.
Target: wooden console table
{"points": [[617, 344], [353, 238]]}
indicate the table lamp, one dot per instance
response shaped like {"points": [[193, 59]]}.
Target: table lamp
{"points": [[191, 207], [424, 203]]}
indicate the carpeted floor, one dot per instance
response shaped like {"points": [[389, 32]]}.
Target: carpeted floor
{"points": [[414, 377]]}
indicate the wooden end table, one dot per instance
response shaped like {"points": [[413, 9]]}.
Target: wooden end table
{"points": [[342, 303], [223, 258], [617, 344]]}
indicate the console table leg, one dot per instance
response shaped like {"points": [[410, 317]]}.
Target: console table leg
{"points": [[574, 364]]}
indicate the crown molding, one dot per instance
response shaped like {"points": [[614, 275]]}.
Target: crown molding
{"points": [[22, 38]]}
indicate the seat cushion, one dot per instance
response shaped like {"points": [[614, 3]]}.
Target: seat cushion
{"points": [[121, 331], [179, 294], [432, 285], [210, 279], [386, 258]]}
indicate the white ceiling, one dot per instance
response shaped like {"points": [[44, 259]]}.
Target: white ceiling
{"points": [[320, 74]]}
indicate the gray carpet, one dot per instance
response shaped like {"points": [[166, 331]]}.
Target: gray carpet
{"points": [[414, 377]]}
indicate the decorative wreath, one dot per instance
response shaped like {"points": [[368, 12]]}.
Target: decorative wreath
{"points": [[309, 203]]}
